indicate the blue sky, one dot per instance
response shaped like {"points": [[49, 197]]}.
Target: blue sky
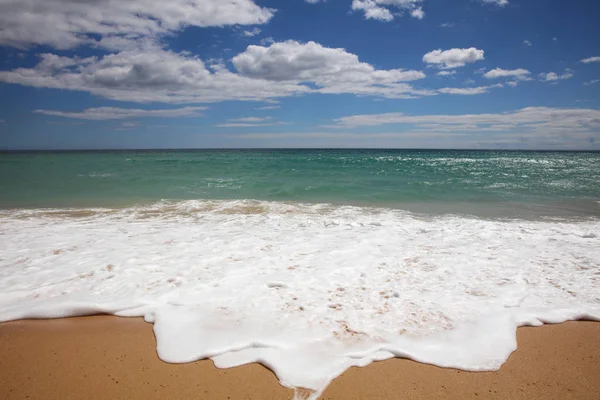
{"points": [[92, 74]]}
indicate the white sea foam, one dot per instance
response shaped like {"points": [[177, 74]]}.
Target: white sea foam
{"points": [[307, 290]]}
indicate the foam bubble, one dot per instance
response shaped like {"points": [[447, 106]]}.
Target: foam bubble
{"points": [[307, 290]]}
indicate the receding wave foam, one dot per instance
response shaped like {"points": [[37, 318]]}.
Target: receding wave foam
{"points": [[306, 290]]}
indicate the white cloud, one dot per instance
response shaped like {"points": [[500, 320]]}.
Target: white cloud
{"points": [[314, 1], [468, 91], [157, 75], [333, 70], [446, 73], [553, 76], [385, 10], [463, 136], [519, 74], [536, 120], [448, 25], [500, 3], [590, 60], [295, 61], [154, 75], [65, 24], [453, 58], [372, 10], [251, 32], [106, 113], [418, 13], [527, 43], [593, 82], [268, 108]]}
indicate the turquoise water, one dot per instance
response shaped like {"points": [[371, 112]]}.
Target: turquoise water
{"points": [[496, 183]]}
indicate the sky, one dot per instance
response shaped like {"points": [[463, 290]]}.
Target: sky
{"points": [[139, 74]]}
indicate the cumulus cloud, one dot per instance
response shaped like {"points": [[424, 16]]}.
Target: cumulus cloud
{"points": [[262, 73], [372, 10], [386, 10], [554, 77], [590, 60], [592, 82], [527, 43], [453, 58], [268, 108], [106, 113], [518, 74], [418, 13], [333, 70], [292, 60], [65, 24], [154, 75], [446, 73]]}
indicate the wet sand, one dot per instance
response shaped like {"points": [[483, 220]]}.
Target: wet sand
{"points": [[105, 357]]}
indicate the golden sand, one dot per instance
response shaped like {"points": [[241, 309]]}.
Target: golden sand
{"points": [[104, 357]]}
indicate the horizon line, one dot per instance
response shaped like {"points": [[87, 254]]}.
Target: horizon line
{"points": [[292, 148]]}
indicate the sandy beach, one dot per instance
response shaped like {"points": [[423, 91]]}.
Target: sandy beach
{"points": [[104, 357]]}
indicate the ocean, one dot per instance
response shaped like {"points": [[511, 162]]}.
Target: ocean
{"points": [[308, 261], [489, 183]]}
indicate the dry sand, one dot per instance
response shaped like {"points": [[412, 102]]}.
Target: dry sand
{"points": [[105, 357]]}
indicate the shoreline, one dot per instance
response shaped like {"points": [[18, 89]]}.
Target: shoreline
{"points": [[101, 357], [543, 210]]}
